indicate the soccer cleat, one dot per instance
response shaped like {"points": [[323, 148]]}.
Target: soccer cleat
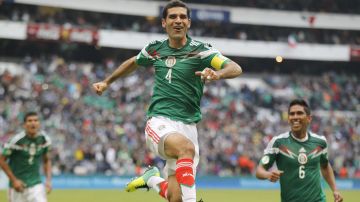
{"points": [[140, 182]]}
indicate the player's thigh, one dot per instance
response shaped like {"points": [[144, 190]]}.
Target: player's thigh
{"points": [[16, 196], [177, 145], [156, 130], [174, 192], [37, 193]]}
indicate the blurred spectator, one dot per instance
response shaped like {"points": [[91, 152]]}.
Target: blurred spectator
{"points": [[86, 19]]}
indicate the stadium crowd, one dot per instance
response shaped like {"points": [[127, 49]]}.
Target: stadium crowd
{"points": [[84, 19], [328, 6], [93, 134]]}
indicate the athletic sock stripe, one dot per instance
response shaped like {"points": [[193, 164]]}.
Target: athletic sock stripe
{"points": [[185, 160], [152, 135], [184, 164], [189, 166]]}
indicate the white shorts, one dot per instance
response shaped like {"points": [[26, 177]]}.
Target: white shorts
{"points": [[35, 193], [156, 131]]}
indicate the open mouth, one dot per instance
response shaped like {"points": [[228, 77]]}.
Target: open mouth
{"points": [[177, 28], [296, 123]]}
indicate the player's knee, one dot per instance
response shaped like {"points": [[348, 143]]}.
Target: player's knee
{"points": [[187, 150], [172, 197]]}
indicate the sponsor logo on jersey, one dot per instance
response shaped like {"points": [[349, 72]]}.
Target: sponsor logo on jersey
{"points": [[187, 174], [154, 54], [161, 127]]}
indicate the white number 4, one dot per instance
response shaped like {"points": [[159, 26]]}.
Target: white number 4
{"points": [[301, 172]]}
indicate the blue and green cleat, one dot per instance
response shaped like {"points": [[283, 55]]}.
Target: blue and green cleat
{"points": [[140, 182]]}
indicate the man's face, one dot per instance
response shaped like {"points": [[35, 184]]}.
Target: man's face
{"points": [[32, 125], [177, 23], [298, 119]]}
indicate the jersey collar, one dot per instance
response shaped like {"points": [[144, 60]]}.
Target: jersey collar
{"points": [[300, 140], [188, 40]]}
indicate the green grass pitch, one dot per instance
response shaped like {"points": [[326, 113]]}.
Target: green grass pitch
{"points": [[208, 195]]}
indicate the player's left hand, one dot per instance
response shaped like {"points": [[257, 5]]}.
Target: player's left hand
{"points": [[208, 74], [48, 187], [337, 196]]}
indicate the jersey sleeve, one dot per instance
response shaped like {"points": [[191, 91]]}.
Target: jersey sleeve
{"points": [[270, 153], [7, 148], [213, 58], [324, 158], [146, 56], [47, 144]]}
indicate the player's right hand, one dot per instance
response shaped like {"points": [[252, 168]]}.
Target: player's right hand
{"points": [[275, 175], [18, 185], [48, 186], [337, 196], [100, 87]]}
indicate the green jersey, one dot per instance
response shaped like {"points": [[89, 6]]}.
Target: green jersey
{"points": [[25, 154], [300, 160], [177, 90]]}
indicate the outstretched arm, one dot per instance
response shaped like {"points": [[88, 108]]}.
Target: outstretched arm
{"points": [[124, 69], [230, 70], [47, 171], [328, 174], [17, 184]]}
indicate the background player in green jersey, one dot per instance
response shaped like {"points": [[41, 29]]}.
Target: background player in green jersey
{"points": [[21, 159], [300, 156], [182, 65]]}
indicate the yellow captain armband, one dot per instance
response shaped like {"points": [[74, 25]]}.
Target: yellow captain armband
{"points": [[218, 61]]}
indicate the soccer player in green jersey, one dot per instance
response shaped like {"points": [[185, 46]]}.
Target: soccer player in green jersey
{"points": [[21, 158], [182, 65], [300, 156]]}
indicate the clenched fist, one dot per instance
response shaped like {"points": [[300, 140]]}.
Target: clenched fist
{"points": [[208, 74], [100, 87]]}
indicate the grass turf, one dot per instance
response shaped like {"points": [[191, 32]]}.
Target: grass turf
{"points": [[208, 195]]}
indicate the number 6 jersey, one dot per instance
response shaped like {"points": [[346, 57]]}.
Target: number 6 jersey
{"points": [[300, 160]]}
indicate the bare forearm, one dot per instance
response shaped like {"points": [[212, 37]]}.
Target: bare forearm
{"points": [[261, 173], [124, 69], [7, 169], [47, 170], [47, 166], [329, 177], [231, 70]]}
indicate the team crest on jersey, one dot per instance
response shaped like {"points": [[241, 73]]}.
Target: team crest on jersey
{"points": [[302, 158], [170, 61], [32, 149], [265, 160]]}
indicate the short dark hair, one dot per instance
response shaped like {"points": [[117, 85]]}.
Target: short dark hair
{"points": [[29, 114], [173, 4], [302, 103]]}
